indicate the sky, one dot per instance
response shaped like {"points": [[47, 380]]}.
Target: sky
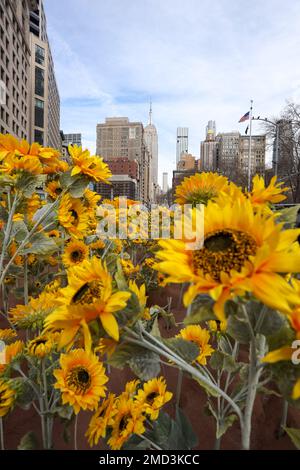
{"points": [[197, 59]]}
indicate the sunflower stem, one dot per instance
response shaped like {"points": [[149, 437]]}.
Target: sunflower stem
{"points": [[253, 381], [284, 417], [7, 234], [27, 238], [1, 435], [75, 432], [179, 386], [25, 280]]}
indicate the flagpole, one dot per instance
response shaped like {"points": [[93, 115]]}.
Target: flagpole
{"points": [[250, 147]]}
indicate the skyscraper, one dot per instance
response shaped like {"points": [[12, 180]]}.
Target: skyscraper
{"points": [[208, 148], [44, 97], [165, 185], [182, 142], [14, 67], [120, 138], [151, 142]]}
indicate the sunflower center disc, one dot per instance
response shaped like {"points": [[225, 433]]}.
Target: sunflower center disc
{"points": [[79, 379], [88, 293], [123, 422], [77, 255], [223, 251], [74, 214], [151, 397]]}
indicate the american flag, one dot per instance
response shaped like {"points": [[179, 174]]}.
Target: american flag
{"points": [[245, 117]]}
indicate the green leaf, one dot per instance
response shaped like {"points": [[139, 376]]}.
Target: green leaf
{"points": [[224, 424], [272, 321], [238, 329], [216, 360], [40, 244], [191, 439], [64, 411], [76, 184], [294, 434], [289, 215], [79, 186], [186, 349], [145, 366], [28, 442], [40, 212], [19, 231], [169, 434], [27, 183], [200, 312], [209, 390], [120, 278]]}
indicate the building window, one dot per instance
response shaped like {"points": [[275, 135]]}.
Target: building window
{"points": [[39, 81], [39, 136], [39, 113], [39, 55]]}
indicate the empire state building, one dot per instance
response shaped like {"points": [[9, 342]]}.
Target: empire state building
{"points": [[151, 142]]}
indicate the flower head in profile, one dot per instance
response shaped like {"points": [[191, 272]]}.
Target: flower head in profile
{"points": [[86, 164], [88, 296], [200, 188], [261, 194], [12, 351], [81, 380], [101, 420], [200, 337], [40, 346], [7, 397], [153, 396], [244, 250]]}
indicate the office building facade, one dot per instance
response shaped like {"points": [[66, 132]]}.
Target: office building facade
{"points": [[14, 67], [120, 138], [182, 143]]}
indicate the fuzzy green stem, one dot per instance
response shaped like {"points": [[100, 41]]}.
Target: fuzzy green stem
{"points": [[283, 423], [179, 387], [75, 432], [7, 234], [151, 443], [1, 435]]}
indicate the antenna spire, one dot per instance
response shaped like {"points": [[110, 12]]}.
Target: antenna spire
{"points": [[150, 111]]}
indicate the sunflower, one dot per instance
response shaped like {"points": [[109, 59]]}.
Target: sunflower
{"points": [[75, 252], [7, 335], [153, 396], [81, 380], [97, 245], [130, 389], [53, 233], [40, 346], [11, 352], [140, 292], [92, 166], [72, 216], [200, 188], [244, 250], [54, 189], [91, 199], [270, 194], [7, 397], [32, 315], [199, 336], [128, 267], [88, 296], [101, 420], [128, 420]]}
